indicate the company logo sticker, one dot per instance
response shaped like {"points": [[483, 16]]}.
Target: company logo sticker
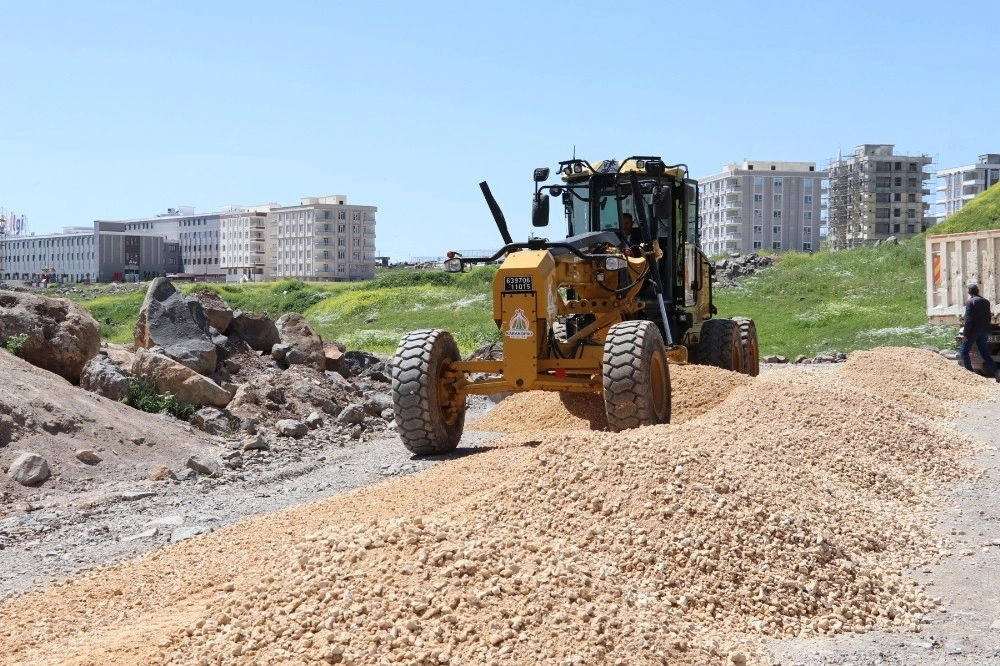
{"points": [[519, 328]]}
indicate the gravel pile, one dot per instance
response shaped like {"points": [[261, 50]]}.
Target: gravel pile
{"points": [[695, 389], [792, 508]]}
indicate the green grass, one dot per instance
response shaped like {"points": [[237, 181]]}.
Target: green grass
{"points": [[838, 301], [981, 213], [805, 304]]}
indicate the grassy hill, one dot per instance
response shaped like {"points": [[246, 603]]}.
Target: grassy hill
{"points": [[805, 304]]}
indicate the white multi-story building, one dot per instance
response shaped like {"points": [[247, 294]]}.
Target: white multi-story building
{"points": [[761, 205], [323, 238], [959, 185], [243, 239]]}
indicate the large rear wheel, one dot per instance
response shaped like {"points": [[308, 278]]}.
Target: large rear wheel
{"points": [[430, 416], [751, 351], [636, 376], [721, 345]]}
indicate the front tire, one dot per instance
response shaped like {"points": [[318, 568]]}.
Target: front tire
{"points": [[636, 376], [721, 344], [751, 350], [430, 416]]}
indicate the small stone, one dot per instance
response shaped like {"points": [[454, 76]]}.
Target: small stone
{"points": [[184, 533], [88, 456], [148, 534], [290, 428], [204, 466], [134, 495], [256, 443], [161, 473], [314, 420]]}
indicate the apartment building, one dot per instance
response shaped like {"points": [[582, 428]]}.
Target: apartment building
{"points": [[243, 236], [959, 185], [322, 238], [875, 194], [761, 205]]}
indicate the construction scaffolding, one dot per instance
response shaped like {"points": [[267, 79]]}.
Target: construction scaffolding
{"points": [[874, 195]]}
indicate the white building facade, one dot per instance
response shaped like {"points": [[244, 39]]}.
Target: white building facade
{"points": [[760, 205], [959, 185]]}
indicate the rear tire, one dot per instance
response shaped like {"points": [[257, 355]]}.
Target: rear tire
{"points": [[721, 344], [751, 350], [430, 416], [636, 376]]}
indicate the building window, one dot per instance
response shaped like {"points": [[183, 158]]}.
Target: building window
{"points": [[911, 197], [776, 245], [758, 198], [881, 213], [758, 229], [807, 199], [807, 231], [758, 214], [911, 182], [807, 247], [897, 197], [776, 230], [758, 181], [777, 183], [807, 215], [757, 245], [882, 197], [776, 214], [777, 201], [911, 214], [807, 184], [895, 212]]}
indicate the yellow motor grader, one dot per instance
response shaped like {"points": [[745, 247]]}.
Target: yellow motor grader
{"points": [[600, 311]]}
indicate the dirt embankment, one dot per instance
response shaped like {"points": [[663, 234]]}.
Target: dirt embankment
{"points": [[787, 505]]}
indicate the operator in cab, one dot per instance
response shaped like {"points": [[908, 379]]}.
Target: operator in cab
{"points": [[632, 235]]}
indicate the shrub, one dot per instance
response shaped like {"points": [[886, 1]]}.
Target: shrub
{"points": [[142, 395], [15, 343]]}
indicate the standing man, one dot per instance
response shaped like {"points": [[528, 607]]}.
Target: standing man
{"points": [[976, 330]]}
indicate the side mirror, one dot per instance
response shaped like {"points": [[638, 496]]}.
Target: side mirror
{"points": [[541, 174], [663, 204], [655, 168], [540, 210]]}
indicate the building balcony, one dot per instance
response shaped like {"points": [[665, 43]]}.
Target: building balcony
{"points": [[736, 205], [733, 229], [258, 226], [733, 191]]}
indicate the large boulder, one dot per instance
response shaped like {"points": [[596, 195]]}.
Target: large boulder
{"points": [[178, 324], [169, 376], [103, 376], [29, 469], [255, 329], [219, 314], [61, 335], [296, 332]]}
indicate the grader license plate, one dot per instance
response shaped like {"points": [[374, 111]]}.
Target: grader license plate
{"points": [[517, 283]]}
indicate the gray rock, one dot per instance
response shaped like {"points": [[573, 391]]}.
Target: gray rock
{"points": [[205, 466], [377, 403], [256, 443], [280, 351], [314, 420], [225, 346], [29, 469], [290, 428], [184, 533], [216, 310], [232, 366], [134, 495], [148, 534], [212, 421], [102, 376], [234, 460], [255, 329], [357, 431], [351, 414], [954, 646], [178, 324], [307, 345], [186, 475], [88, 456]]}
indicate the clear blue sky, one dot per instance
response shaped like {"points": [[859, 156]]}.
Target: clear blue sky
{"points": [[114, 110]]}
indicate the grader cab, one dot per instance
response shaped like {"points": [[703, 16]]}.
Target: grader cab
{"points": [[598, 311]]}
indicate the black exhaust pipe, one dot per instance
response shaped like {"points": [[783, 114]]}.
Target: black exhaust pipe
{"points": [[497, 213]]}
